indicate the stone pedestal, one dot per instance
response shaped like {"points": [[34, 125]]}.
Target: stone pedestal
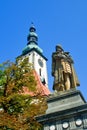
{"points": [[66, 111], [64, 100]]}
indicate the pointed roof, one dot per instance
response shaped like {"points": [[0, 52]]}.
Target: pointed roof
{"points": [[41, 89], [32, 39]]}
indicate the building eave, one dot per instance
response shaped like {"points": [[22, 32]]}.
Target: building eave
{"points": [[33, 49]]}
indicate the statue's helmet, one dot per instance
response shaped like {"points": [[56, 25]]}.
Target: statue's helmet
{"points": [[59, 48]]}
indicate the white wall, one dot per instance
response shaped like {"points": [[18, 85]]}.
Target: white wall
{"points": [[33, 58]]}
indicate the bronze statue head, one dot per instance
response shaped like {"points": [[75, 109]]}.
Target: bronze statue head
{"points": [[59, 48]]}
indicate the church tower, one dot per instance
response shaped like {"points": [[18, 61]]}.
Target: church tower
{"points": [[35, 55]]}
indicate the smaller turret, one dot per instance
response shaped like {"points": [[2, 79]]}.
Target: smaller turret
{"points": [[32, 37]]}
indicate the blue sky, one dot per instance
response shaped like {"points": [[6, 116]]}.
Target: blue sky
{"points": [[57, 22]]}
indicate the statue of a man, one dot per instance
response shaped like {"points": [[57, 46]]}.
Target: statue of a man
{"points": [[63, 71]]}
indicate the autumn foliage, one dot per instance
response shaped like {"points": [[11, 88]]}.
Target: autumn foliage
{"points": [[17, 109]]}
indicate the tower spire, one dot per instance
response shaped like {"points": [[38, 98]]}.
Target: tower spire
{"points": [[32, 36], [32, 39]]}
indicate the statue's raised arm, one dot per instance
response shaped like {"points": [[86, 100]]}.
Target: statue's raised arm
{"points": [[65, 77]]}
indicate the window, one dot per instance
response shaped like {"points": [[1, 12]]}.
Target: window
{"points": [[40, 71]]}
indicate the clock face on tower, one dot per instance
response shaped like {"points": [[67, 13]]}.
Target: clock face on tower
{"points": [[40, 62]]}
